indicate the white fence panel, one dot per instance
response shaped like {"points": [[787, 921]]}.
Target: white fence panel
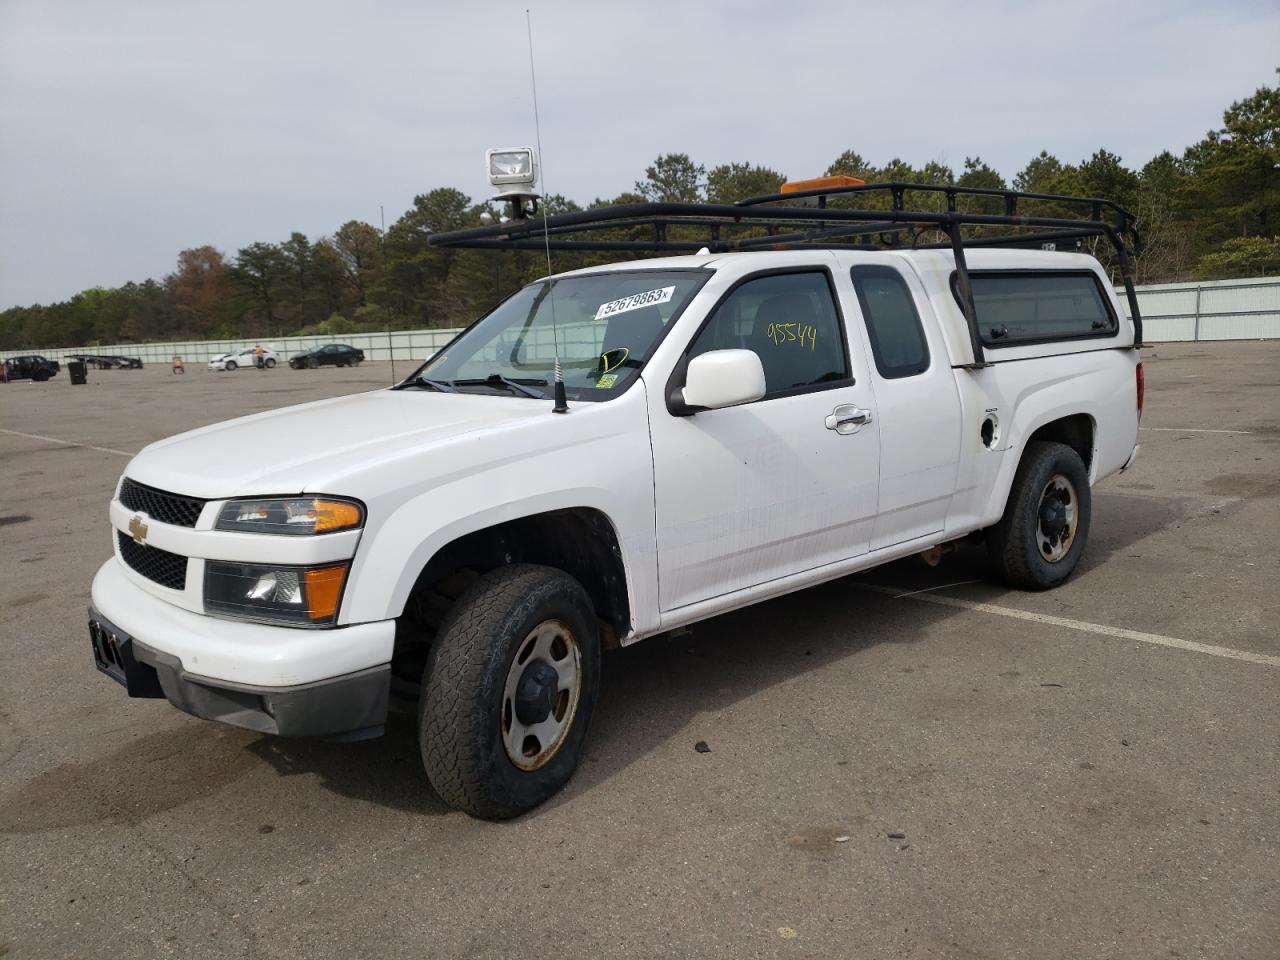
{"points": [[1168, 329], [1212, 310]]}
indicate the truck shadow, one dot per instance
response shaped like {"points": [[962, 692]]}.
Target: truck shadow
{"points": [[655, 690], [386, 770]]}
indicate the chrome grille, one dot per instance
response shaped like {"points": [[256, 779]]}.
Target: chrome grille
{"points": [[166, 507], [159, 566]]}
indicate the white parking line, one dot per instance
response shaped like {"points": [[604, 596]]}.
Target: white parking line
{"points": [[942, 586], [67, 443], [1247, 433], [1099, 629]]}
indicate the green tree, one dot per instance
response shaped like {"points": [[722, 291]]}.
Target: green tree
{"points": [[415, 277], [850, 164], [1104, 175], [1241, 257], [261, 277], [360, 248], [302, 302], [737, 181], [328, 276], [1045, 173], [1166, 237], [1234, 188], [673, 178]]}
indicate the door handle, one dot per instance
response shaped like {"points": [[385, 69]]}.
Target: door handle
{"points": [[847, 418]]}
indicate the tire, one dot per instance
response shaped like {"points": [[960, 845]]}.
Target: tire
{"points": [[467, 712], [313, 364], [229, 365], [269, 363], [1050, 495]]}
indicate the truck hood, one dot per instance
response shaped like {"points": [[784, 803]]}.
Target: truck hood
{"points": [[307, 448]]}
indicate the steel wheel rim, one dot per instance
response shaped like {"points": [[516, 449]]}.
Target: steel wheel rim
{"points": [[531, 745], [1058, 498]]}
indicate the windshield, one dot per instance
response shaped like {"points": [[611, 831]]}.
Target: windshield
{"points": [[606, 325]]}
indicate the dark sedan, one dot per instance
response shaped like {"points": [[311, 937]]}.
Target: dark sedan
{"points": [[330, 355]]}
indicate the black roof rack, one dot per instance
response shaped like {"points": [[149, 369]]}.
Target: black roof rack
{"points": [[778, 222]]}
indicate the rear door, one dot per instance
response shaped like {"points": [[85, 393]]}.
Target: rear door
{"points": [[750, 494], [917, 398]]}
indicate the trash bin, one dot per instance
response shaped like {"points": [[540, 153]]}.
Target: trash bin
{"points": [[77, 371]]}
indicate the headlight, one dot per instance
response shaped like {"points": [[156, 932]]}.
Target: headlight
{"points": [[306, 596], [294, 516]]}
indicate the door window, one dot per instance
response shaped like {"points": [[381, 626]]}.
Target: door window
{"points": [[790, 322], [893, 325]]}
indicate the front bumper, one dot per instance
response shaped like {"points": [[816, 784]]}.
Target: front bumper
{"points": [[275, 679], [238, 651], [350, 707]]}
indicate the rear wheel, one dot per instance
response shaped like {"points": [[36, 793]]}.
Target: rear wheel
{"points": [[508, 691], [1045, 526]]}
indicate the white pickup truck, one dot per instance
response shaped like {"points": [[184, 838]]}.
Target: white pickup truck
{"points": [[738, 426]]}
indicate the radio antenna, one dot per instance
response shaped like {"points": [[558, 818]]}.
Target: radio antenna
{"points": [[557, 387]]}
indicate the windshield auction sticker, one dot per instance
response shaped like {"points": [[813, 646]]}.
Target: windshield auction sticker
{"points": [[635, 302]]}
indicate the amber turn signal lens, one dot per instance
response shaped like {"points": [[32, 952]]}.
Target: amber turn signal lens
{"points": [[834, 182], [336, 515], [324, 590]]}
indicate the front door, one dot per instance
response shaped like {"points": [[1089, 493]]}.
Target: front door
{"points": [[749, 494]]}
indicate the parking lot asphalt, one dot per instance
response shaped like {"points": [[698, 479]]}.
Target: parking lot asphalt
{"points": [[912, 762]]}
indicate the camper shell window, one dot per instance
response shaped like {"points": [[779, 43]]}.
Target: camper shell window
{"points": [[1026, 306]]}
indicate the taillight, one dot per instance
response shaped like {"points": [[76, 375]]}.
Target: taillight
{"points": [[1142, 390]]}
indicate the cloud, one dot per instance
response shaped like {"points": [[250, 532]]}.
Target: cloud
{"points": [[131, 130]]}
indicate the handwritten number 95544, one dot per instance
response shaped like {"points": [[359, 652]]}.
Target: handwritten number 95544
{"points": [[804, 334]]}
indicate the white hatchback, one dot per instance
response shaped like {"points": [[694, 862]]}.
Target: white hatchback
{"points": [[244, 358]]}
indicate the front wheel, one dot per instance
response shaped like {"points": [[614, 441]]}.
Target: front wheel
{"points": [[1042, 535], [268, 363], [230, 365], [508, 692], [313, 363]]}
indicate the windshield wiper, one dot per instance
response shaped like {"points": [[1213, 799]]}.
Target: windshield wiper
{"points": [[516, 386], [443, 386]]}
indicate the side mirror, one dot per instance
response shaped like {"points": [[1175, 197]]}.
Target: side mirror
{"points": [[723, 378]]}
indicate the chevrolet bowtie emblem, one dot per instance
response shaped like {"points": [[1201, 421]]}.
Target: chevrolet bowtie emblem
{"points": [[138, 530]]}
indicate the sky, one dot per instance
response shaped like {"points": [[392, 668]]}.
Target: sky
{"points": [[132, 129]]}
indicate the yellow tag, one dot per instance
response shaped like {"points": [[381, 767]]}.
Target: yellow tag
{"points": [[607, 380]]}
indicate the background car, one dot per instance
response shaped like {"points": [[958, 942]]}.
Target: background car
{"points": [[32, 366], [332, 355], [244, 358]]}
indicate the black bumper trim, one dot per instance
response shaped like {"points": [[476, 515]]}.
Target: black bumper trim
{"points": [[349, 707]]}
